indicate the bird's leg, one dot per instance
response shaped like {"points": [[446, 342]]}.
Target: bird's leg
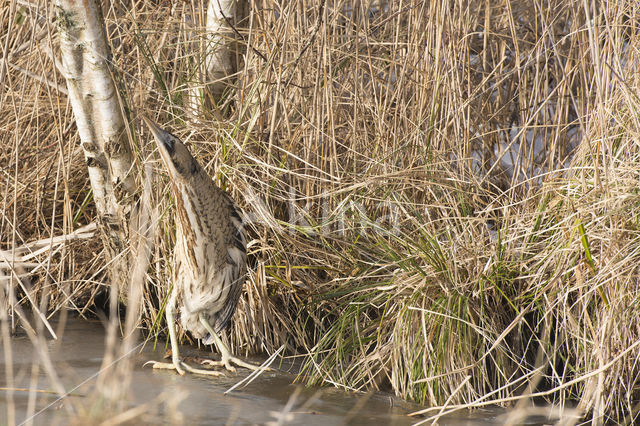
{"points": [[176, 363], [225, 353]]}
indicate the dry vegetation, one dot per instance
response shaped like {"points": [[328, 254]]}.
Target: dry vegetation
{"points": [[443, 196]]}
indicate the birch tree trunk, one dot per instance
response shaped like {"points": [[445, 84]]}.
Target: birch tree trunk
{"points": [[86, 60], [222, 53], [125, 226]]}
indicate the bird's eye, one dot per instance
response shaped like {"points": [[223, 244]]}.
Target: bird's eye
{"points": [[170, 145]]}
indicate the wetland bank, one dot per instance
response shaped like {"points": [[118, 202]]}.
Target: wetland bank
{"points": [[441, 198], [168, 398]]}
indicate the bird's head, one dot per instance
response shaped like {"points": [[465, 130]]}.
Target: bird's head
{"points": [[175, 155]]}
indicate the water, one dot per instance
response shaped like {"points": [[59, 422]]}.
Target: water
{"points": [[77, 357]]}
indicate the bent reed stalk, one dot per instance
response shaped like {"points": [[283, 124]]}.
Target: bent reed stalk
{"points": [[442, 197]]}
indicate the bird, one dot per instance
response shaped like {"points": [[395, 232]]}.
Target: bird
{"points": [[210, 256]]}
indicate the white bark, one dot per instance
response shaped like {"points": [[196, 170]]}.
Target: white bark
{"points": [[220, 59], [221, 52], [86, 61]]}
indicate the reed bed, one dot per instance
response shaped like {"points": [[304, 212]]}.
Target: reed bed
{"points": [[442, 196]]}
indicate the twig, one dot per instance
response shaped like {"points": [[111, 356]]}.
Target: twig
{"points": [[235, 30], [306, 46], [254, 374]]}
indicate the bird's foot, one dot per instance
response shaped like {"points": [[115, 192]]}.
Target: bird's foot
{"points": [[225, 353], [227, 361], [181, 367]]}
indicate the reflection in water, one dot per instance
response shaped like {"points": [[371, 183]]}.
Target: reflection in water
{"points": [[270, 399]]}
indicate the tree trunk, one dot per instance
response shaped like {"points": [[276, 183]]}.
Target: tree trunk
{"points": [[127, 228], [86, 60], [221, 55]]}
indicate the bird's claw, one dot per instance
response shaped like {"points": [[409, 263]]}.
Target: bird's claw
{"points": [[181, 367], [228, 366], [213, 363], [227, 361], [178, 366]]}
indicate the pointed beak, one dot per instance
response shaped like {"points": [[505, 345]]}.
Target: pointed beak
{"points": [[162, 137]]}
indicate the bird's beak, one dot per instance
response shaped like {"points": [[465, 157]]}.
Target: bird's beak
{"points": [[161, 136]]}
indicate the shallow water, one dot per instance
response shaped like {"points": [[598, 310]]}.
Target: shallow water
{"points": [[77, 357]]}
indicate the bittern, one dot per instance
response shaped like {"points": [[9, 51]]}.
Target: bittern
{"points": [[210, 258]]}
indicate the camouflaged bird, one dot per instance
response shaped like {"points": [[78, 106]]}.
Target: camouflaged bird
{"points": [[210, 254]]}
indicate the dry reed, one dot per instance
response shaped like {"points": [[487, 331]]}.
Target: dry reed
{"points": [[442, 196]]}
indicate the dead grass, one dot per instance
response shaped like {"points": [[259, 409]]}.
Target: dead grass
{"points": [[443, 196]]}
